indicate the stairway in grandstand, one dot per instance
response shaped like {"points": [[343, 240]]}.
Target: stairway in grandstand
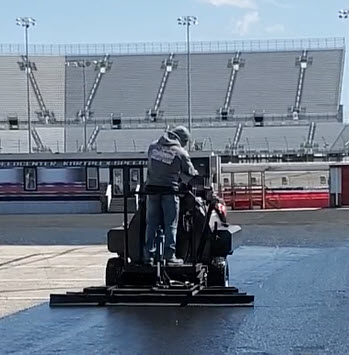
{"points": [[235, 63], [321, 88], [43, 114], [40, 146], [128, 89], [74, 136], [101, 67], [236, 140], [303, 62], [168, 66], [90, 140], [309, 144], [50, 78], [52, 137]]}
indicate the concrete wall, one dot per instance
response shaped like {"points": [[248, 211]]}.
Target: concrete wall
{"points": [[49, 207]]}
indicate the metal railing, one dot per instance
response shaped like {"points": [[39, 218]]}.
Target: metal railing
{"points": [[200, 121], [174, 47], [243, 150]]}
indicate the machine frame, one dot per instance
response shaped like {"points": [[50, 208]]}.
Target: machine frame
{"points": [[201, 281]]}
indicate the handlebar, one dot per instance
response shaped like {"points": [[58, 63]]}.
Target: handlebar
{"points": [[162, 193]]}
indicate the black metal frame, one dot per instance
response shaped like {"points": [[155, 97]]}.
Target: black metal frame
{"points": [[130, 291], [125, 228], [193, 296]]}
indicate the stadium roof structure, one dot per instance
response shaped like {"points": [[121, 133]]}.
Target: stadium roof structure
{"points": [[175, 47]]}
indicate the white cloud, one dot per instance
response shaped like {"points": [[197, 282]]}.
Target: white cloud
{"points": [[275, 29], [243, 4], [279, 3], [248, 4], [244, 25]]}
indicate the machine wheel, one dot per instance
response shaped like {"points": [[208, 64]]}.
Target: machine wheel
{"points": [[218, 273], [114, 270]]}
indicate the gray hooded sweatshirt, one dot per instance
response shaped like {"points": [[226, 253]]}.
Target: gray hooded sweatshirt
{"points": [[167, 159]]}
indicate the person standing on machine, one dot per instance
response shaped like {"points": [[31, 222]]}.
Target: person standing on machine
{"points": [[167, 159]]}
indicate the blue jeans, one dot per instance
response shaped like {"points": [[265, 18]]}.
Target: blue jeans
{"points": [[161, 210]]}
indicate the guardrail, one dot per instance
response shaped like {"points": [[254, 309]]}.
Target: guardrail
{"points": [[197, 121]]}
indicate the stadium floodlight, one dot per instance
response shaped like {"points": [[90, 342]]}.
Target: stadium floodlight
{"points": [[188, 21], [343, 13], [26, 22]]}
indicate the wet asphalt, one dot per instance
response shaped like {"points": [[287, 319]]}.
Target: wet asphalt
{"points": [[295, 263]]}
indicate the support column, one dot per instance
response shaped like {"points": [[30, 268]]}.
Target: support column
{"points": [[249, 183], [263, 189]]}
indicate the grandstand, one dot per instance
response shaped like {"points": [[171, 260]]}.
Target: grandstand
{"points": [[248, 98]]}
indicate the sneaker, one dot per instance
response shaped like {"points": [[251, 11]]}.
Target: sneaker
{"points": [[174, 261]]}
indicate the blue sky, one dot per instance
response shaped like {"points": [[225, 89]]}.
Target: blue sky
{"points": [[85, 21]]}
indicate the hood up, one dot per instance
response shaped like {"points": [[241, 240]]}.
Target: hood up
{"points": [[169, 139]]}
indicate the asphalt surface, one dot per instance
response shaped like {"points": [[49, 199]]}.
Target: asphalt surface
{"points": [[295, 263]]}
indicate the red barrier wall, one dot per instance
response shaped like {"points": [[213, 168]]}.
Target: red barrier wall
{"points": [[279, 199]]}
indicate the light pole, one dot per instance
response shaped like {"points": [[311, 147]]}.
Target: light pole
{"points": [[82, 64], [248, 145], [344, 14], [268, 146], [26, 22], [188, 21], [285, 138]]}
